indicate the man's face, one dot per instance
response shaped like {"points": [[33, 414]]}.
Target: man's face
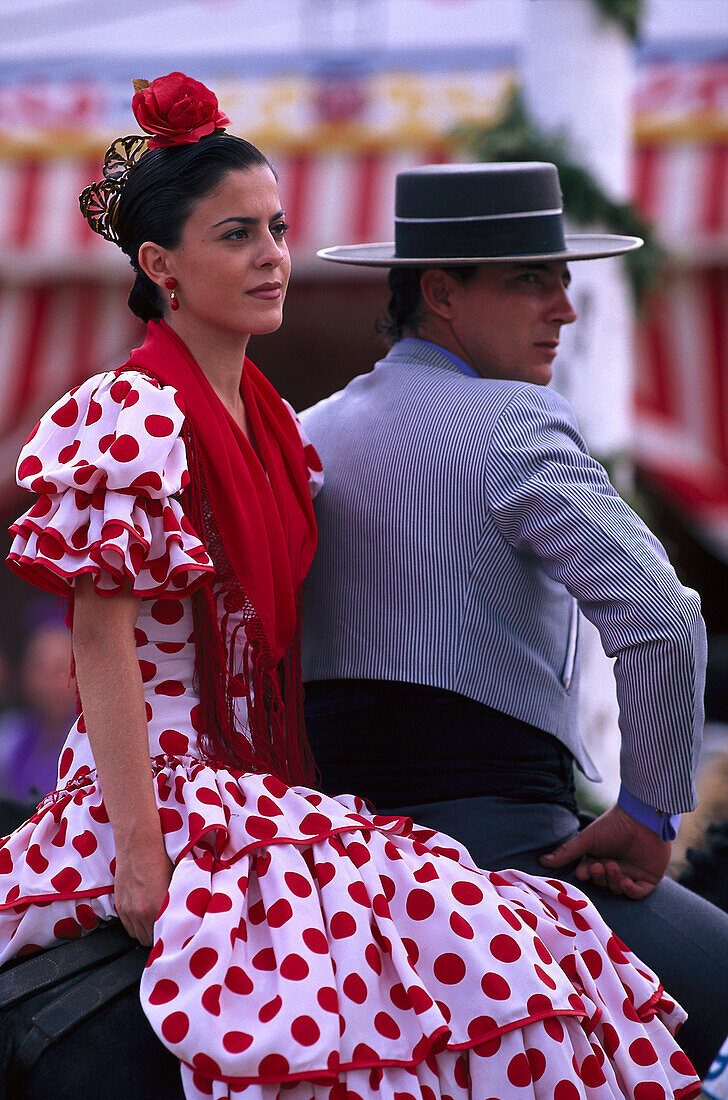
{"points": [[507, 319]]}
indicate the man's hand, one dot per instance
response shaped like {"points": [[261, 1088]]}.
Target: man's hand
{"points": [[617, 853]]}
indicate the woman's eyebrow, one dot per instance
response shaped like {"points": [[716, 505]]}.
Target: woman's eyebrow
{"points": [[241, 220], [248, 221]]}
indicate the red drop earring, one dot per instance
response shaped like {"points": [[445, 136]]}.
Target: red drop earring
{"points": [[173, 299]]}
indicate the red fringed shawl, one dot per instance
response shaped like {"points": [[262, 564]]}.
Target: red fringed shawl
{"points": [[256, 518]]}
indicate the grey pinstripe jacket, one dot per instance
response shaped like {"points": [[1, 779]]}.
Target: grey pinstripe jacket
{"points": [[462, 525]]}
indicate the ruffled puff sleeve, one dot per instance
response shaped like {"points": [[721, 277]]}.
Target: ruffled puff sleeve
{"points": [[310, 455], [108, 465]]}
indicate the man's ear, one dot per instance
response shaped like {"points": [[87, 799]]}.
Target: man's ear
{"points": [[436, 288], [153, 261]]}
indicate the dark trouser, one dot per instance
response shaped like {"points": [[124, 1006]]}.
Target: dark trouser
{"points": [[377, 728]]}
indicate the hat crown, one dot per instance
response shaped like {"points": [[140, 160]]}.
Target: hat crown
{"points": [[473, 210], [453, 191]]}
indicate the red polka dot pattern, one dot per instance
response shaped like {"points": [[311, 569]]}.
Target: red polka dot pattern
{"points": [[298, 930]]}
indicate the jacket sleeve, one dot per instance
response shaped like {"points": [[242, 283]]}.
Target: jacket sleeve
{"points": [[551, 499]]}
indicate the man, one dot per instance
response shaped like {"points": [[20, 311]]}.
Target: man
{"points": [[463, 525]]}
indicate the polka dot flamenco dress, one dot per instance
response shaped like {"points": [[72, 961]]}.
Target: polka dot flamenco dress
{"points": [[306, 949]]}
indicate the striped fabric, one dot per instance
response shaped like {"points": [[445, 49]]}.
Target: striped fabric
{"points": [[462, 525]]}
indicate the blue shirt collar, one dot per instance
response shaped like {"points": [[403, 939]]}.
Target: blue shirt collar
{"points": [[456, 361]]}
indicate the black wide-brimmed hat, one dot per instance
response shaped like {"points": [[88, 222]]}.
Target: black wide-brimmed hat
{"points": [[479, 214]]}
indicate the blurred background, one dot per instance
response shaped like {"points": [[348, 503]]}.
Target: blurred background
{"points": [[628, 97]]}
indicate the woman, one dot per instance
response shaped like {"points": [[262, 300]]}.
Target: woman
{"points": [[301, 946]]}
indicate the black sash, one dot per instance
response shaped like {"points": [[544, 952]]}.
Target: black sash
{"points": [[399, 744]]}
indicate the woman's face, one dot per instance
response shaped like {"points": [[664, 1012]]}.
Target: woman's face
{"points": [[232, 263]]}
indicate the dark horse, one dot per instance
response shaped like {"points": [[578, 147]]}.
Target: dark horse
{"points": [[67, 1038]]}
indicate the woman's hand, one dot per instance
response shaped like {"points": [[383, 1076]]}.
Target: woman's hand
{"points": [[143, 871]]}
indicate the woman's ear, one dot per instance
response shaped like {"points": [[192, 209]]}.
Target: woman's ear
{"points": [[153, 262], [436, 288]]}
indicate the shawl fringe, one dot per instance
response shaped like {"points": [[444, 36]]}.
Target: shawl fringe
{"points": [[275, 740]]}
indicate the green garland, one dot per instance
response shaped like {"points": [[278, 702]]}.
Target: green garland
{"points": [[628, 13], [515, 137]]}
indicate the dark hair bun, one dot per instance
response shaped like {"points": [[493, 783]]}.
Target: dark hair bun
{"points": [[145, 299]]}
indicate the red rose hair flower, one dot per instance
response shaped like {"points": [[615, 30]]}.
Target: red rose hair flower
{"points": [[176, 110]]}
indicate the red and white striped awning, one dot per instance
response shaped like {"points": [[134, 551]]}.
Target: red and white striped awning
{"points": [[52, 336], [42, 233], [338, 198], [683, 189], [681, 398]]}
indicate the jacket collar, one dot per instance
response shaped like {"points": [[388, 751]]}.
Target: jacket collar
{"points": [[421, 353]]}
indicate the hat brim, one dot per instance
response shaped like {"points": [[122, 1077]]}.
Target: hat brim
{"points": [[580, 246]]}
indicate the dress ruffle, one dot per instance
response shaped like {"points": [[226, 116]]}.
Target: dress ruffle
{"points": [[306, 949], [306, 940], [108, 464]]}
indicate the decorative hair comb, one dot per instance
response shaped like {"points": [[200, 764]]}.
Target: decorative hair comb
{"points": [[99, 201], [172, 110]]}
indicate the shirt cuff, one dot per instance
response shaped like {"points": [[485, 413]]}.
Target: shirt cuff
{"points": [[664, 824]]}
